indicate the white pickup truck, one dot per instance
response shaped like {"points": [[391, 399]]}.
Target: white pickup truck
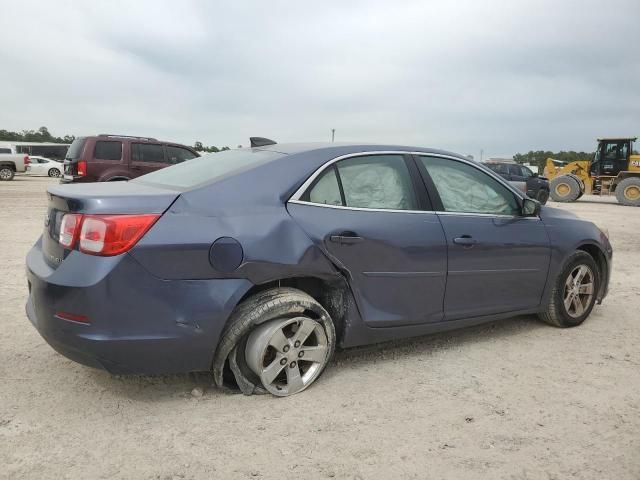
{"points": [[11, 162]]}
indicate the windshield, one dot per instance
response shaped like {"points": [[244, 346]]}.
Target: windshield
{"points": [[208, 168], [75, 150]]}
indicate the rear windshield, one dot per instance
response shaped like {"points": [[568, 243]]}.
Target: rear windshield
{"points": [[75, 150], [208, 168]]}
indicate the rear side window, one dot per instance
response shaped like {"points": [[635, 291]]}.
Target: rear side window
{"points": [[5, 150], [325, 190], [178, 154], [75, 150], [372, 181], [108, 150], [147, 152]]}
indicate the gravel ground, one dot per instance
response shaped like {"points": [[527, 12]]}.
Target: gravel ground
{"points": [[510, 400]]}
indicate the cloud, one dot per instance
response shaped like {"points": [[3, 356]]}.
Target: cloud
{"points": [[466, 75]]}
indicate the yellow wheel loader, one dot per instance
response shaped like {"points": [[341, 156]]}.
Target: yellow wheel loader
{"points": [[615, 168]]}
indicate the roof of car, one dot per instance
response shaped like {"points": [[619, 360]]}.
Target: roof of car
{"points": [[346, 148]]}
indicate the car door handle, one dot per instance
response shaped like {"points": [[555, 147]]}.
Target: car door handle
{"points": [[346, 238], [465, 241], [135, 167]]}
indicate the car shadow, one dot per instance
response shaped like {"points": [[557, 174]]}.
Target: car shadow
{"points": [[156, 388]]}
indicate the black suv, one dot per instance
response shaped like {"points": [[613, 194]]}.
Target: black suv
{"points": [[534, 186]]}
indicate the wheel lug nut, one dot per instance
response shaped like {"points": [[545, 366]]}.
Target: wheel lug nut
{"points": [[283, 361], [286, 348], [297, 344], [301, 353], [292, 365]]}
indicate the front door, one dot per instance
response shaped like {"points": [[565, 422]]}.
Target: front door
{"points": [[498, 259], [367, 214]]}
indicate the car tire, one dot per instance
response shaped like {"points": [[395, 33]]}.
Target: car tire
{"points": [[246, 343], [54, 173], [568, 307], [542, 196], [564, 189], [628, 192], [6, 173]]}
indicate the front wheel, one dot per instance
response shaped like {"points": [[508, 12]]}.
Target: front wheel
{"points": [[565, 189], [574, 293], [54, 172]]}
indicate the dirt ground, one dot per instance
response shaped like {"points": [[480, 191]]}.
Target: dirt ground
{"points": [[510, 400]]}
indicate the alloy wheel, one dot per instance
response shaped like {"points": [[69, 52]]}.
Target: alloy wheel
{"points": [[287, 354], [578, 291]]}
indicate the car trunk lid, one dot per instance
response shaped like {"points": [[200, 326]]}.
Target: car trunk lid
{"points": [[110, 198]]}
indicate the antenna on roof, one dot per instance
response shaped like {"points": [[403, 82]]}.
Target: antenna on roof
{"points": [[260, 142]]}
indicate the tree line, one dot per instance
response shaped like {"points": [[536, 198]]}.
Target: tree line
{"points": [[42, 135]]}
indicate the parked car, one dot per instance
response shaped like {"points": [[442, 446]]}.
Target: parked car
{"points": [[106, 158], [256, 265], [44, 166], [531, 183], [11, 162]]}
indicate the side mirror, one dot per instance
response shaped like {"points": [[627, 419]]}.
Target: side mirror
{"points": [[530, 207]]}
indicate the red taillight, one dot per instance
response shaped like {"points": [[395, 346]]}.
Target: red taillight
{"points": [[82, 168], [104, 235], [69, 229], [108, 235], [27, 160]]}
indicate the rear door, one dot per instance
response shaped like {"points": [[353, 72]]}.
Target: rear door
{"points": [[498, 259], [370, 215], [146, 158], [107, 158]]}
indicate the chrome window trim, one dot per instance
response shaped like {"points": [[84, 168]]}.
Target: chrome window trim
{"points": [[295, 198], [432, 212], [364, 209]]}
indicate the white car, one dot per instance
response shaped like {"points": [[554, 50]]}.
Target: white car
{"points": [[44, 166]]}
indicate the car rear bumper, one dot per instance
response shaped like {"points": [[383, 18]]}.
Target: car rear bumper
{"points": [[138, 323]]}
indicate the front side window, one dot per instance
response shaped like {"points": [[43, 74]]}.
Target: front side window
{"points": [[466, 189], [108, 150], [147, 152], [5, 150], [372, 181], [179, 154]]}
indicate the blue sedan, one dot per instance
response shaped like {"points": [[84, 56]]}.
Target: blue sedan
{"points": [[255, 264]]}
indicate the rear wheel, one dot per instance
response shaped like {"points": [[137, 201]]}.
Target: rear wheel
{"points": [[278, 341], [565, 189], [575, 292], [54, 172], [6, 173], [628, 191]]}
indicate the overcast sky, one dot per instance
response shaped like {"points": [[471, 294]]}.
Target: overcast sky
{"points": [[503, 76]]}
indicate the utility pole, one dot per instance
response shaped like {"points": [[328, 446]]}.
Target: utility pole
{"points": [[481, 154], [333, 134]]}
